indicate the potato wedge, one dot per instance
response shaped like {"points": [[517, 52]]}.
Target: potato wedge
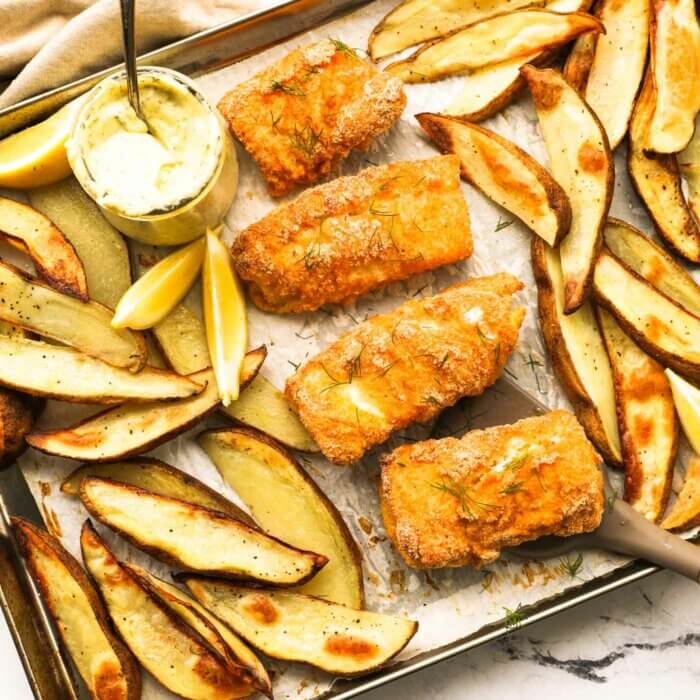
{"points": [[287, 503], [174, 532], [264, 407], [660, 326], [689, 162], [17, 415], [488, 90], [582, 164], [103, 661], [99, 245], [85, 326], [239, 656], [657, 181], [646, 418], [159, 478], [494, 40], [595, 64], [504, 173], [685, 512], [675, 66], [167, 648], [133, 428], [53, 256], [578, 63], [578, 354], [59, 372], [650, 261], [297, 627]]}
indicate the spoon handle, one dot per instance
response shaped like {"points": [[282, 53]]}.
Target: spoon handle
{"points": [[129, 30], [625, 531]]}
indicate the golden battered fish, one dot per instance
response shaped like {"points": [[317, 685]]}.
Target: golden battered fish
{"points": [[304, 114], [354, 234], [406, 366], [457, 502]]}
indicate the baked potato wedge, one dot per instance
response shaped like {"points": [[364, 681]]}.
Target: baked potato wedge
{"points": [[578, 354], [17, 415], [297, 627], [103, 661], [84, 325], [660, 326], [287, 503], [675, 67], [174, 532], [658, 183], [62, 373], [264, 407], [169, 649], [650, 261], [133, 428], [504, 173], [646, 419], [689, 162], [577, 66], [54, 258], [582, 164], [499, 38], [685, 512], [159, 478], [414, 21], [240, 658], [622, 50], [99, 245]]}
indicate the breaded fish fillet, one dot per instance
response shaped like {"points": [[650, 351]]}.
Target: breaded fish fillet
{"points": [[406, 366], [455, 502], [346, 237], [301, 116]]}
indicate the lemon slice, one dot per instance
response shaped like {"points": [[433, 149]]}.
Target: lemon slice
{"points": [[149, 300], [225, 317], [686, 397], [37, 155]]}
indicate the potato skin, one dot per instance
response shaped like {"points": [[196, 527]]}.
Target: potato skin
{"points": [[585, 410], [17, 414]]}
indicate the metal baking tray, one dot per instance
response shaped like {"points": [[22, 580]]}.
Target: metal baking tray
{"points": [[49, 671]]}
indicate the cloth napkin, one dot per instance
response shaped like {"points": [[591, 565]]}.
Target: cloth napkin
{"points": [[45, 43]]}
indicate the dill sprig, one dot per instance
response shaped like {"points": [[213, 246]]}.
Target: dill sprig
{"points": [[335, 382], [502, 223], [532, 363], [275, 120], [343, 47], [572, 567], [514, 618], [515, 487], [462, 494], [287, 88], [305, 140]]}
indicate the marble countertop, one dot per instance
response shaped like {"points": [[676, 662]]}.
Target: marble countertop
{"points": [[640, 641]]}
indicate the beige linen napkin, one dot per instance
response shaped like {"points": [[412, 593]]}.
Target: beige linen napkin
{"points": [[50, 42]]}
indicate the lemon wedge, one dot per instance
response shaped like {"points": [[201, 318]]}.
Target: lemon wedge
{"points": [[37, 155], [225, 317], [686, 397], [149, 300]]}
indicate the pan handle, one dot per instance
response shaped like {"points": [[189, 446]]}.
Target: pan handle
{"points": [[625, 531]]}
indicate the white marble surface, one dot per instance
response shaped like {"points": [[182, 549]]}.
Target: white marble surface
{"points": [[639, 642]]}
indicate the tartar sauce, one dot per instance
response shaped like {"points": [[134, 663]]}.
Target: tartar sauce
{"points": [[132, 171]]}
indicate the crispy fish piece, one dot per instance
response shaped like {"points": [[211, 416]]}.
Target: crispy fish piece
{"points": [[457, 502], [346, 237], [303, 115], [407, 366]]}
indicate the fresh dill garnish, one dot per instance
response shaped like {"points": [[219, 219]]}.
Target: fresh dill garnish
{"points": [[418, 291], [572, 567], [502, 223], [335, 382], [312, 254], [287, 88], [532, 363], [343, 47], [514, 618], [536, 472], [488, 579], [387, 182], [482, 336], [309, 73], [378, 211], [415, 223], [275, 120], [461, 493], [305, 140], [509, 373], [431, 399], [371, 162], [296, 365], [402, 464], [610, 501], [444, 359], [387, 367], [356, 363], [357, 417], [515, 487], [515, 463], [303, 337]]}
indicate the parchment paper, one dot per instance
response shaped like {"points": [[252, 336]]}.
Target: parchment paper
{"points": [[448, 604]]}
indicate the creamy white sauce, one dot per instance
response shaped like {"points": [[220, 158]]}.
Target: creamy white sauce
{"points": [[134, 172]]}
